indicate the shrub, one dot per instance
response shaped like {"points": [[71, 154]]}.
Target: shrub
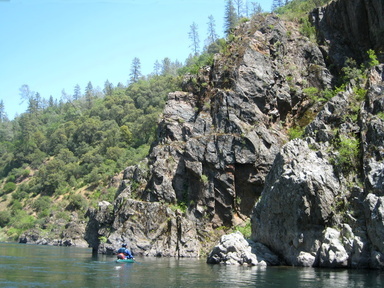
{"points": [[77, 202], [246, 229], [11, 178], [26, 173], [380, 115], [372, 58], [348, 151], [314, 94], [42, 203], [307, 29], [295, 132], [9, 187], [20, 195], [5, 217]]}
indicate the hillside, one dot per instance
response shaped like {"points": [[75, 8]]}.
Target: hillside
{"points": [[280, 137]]}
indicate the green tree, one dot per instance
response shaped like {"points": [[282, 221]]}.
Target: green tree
{"points": [[89, 95], [166, 66], [51, 102], [157, 68], [212, 36], [194, 37], [230, 18], [239, 7], [77, 92], [108, 88], [135, 70], [256, 8], [3, 115]]}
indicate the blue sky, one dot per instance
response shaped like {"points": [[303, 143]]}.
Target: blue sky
{"points": [[52, 45]]}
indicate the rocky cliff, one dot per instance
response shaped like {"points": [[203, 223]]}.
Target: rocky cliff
{"points": [[223, 147]]}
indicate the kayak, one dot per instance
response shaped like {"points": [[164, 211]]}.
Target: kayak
{"points": [[125, 260]]}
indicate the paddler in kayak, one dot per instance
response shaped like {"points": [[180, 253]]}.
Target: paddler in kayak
{"points": [[124, 253]]}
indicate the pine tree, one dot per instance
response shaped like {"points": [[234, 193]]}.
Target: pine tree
{"points": [[157, 68], [135, 70], [230, 18], [238, 6], [89, 93], [108, 88], [194, 37], [51, 102], [166, 67], [212, 36], [77, 92], [255, 8], [3, 115]]}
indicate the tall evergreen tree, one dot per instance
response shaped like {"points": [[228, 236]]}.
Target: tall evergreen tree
{"points": [[157, 68], [34, 104], [51, 102], [230, 18], [212, 36], [256, 8], [194, 37], [77, 92], [3, 115], [89, 93], [108, 88], [135, 70], [166, 66], [239, 7]]}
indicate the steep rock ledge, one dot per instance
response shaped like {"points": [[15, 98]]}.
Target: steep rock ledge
{"points": [[217, 141]]}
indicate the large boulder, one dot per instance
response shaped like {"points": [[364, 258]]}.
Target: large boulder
{"points": [[297, 203], [233, 249]]}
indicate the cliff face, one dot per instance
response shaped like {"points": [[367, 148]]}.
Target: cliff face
{"points": [[216, 143], [348, 28], [320, 197], [222, 143]]}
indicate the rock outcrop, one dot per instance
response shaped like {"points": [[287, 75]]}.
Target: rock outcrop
{"points": [[60, 233], [223, 154], [319, 195], [216, 143]]}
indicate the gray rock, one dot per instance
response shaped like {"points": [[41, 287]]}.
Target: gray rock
{"points": [[332, 252], [233, 249], [305, 183]]}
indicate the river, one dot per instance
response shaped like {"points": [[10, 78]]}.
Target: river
{"points": [[24, 265]]}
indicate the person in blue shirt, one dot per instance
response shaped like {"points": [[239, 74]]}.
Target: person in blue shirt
{"points": [[124, 253]]}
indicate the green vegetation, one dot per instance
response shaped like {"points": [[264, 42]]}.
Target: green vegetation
{"points": [[295, 132], [297, 10], [347, 153], [57, 149], [245, 229], [204, 179], [181, 206]]}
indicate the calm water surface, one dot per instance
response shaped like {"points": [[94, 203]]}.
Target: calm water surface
{"points": [[46, 266]]}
